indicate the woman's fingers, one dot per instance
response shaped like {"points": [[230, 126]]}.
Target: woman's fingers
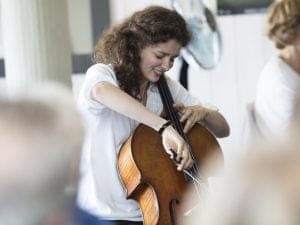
{"points": [[181, 156], [179, 106], [177, 148], [188, 125], [188, 113], [170, 152], [187, 116], [184, 159], [185, 163]]}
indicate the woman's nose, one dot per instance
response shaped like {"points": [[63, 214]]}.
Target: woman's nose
{"points": [[166, 65]]}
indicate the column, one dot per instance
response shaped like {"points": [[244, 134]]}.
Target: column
{"points": [[36, 43]]}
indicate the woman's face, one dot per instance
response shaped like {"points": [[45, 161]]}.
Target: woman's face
{"points": [[157, 59]]}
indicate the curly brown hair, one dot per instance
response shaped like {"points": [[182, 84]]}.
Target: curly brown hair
{"points": [[121, 44], [283, 22]]}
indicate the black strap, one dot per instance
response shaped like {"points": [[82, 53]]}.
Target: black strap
{"points": [[183, 78], [164, 126]]}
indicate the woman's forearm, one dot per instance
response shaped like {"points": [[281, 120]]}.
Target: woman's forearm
{"points": [[119, 101], [215, 122]]}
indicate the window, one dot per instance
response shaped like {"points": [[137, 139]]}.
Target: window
{"points": [[226, 7]]}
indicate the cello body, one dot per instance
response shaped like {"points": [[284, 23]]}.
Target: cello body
{"points": [[151, 178]]}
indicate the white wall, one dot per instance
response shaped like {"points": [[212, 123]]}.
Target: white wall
{"points": [[80, 26], [232, 84]]}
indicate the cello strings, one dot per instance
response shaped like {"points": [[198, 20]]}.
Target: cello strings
{"points": [[173, 116], [198, 183], [194, 170]]}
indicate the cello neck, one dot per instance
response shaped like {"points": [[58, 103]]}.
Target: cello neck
{"points": [[168, 102], [173, 116]]}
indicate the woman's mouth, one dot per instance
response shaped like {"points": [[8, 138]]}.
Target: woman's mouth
{"points": [[158, 72]]}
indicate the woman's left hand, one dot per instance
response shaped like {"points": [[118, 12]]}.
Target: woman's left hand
{"points": [[190, 114]]}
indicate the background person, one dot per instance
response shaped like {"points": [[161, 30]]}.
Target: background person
{"points": [[280, 78]]}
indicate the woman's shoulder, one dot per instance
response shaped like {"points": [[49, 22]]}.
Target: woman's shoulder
{"points": [[281, 71], [274, 61], [271, 69], [277, 64], [100, 73], [100, 67]]}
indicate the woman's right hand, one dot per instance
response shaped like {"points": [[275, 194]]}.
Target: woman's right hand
{"points": [[172, 141]]}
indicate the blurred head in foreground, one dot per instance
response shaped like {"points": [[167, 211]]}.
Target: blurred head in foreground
{"points": [[260, 189], [40, 141]]}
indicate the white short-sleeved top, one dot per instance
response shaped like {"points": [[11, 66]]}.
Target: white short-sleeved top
{"points": [[276, 91], [100, 189]]}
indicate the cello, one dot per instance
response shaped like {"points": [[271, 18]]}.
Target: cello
{"points": [[150, 176]]}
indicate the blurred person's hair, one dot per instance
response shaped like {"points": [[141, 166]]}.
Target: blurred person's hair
{"points": [[41, 135], [283, 22]]}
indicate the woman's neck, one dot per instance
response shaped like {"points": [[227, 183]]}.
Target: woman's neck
{"points": [[143, 91], [291, 55]]}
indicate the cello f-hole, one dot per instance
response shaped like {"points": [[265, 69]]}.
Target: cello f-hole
{"points": [[171, 209]]}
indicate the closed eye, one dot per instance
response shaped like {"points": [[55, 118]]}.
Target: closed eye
{"points": [[159, 56]]}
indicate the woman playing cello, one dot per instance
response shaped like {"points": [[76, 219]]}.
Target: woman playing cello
{"points": [[119, 92]]}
